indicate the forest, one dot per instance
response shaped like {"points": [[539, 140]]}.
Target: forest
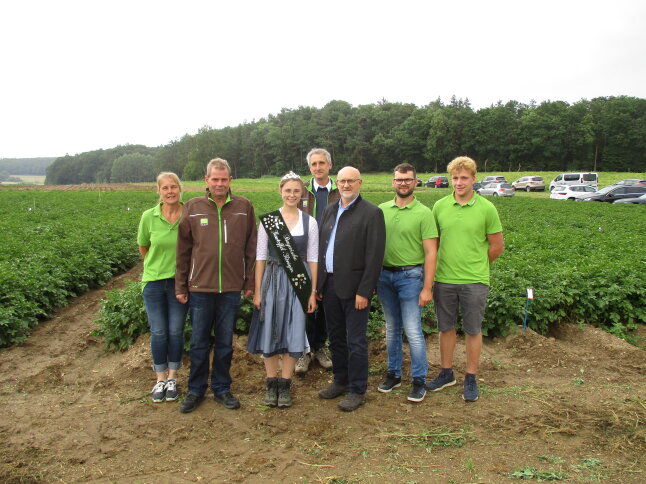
{"points": [[602, 134], [23, 166]]}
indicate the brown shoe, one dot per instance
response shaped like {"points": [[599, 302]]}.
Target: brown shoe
{"points": [[352, 401], [333, 390]]}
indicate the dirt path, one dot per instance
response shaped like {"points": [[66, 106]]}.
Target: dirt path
{"points": [[572, 404]]}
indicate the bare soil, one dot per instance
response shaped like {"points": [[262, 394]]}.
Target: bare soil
{"points": [[572, 404]]}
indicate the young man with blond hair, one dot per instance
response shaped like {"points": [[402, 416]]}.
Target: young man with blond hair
{"points": [[470, 239]]}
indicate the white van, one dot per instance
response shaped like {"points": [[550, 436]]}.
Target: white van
{"points": [[590, 179]]}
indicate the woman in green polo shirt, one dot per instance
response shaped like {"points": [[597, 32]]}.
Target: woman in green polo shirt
{"points": [[157, 240]]}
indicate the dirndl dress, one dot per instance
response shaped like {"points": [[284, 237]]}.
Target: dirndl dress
{"points": [[278, 327]]}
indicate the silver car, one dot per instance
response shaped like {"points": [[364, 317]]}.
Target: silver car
{"points": [[497, 190], [529, 183]]}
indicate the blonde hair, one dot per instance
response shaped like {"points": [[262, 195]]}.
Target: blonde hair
{"points": [[218, 164], [172, 176], [291, 176], [462, 163]]}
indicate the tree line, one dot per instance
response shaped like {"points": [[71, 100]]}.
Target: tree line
{"points": [[602, 134], [25, 166]]}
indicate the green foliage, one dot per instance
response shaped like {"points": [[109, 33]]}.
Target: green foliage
{"points": [[57, 245], [602, 134], [25, 166], [244, 315], [122, 317], [376, 321], [133, 168], [584, 260]]}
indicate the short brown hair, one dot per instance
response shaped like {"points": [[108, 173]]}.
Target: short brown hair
{"points": [[218, 164], [405, 168], [462, 163]]}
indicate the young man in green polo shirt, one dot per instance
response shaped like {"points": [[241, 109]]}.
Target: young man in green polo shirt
{"points": [[470, 240], [406, 281]]}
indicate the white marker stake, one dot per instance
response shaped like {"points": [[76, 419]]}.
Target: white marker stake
{"points": [[530, 295]]}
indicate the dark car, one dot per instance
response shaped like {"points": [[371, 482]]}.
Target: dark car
{"points": [[419, 182], [615, 192], [632, 182], [637, 201], [432, 182]]}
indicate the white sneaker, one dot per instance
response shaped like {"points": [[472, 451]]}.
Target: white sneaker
{"points": [[303, 363], [322, 355]]}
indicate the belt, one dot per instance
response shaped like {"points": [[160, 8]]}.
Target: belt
{"points": [[401, 268]]}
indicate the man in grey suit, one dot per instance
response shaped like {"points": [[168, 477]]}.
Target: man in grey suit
{"points": [[351, 252]]}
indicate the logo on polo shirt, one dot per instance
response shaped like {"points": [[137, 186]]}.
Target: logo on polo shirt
{"points": [[204, 222]]}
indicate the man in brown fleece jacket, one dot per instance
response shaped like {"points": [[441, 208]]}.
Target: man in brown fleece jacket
{"points": [[216, 253]]}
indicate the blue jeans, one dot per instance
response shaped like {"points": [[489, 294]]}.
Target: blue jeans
{"points": [[399, 296], [166, 319], [212, 311]]}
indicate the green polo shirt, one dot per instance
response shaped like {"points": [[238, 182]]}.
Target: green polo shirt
{"points": [[161, 237], [406, 228], [462, 257]]}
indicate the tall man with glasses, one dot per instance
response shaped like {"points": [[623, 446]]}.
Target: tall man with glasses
{"points": [[351, 251], [406, 281], [470, 240], [318, 192], [216, 255]]}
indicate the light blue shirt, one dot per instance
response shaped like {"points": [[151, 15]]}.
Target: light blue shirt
{"points": [[329, 252]]}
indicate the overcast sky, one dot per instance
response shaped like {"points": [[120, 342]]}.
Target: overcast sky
{"points": [[82, 75]]}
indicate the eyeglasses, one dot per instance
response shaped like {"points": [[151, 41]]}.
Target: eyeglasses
{"points": [[399, 181], [348, 182]]}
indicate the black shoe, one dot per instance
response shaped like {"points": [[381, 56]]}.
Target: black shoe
{"points": [[333, 390], [271, 393], [190, 403], [443, 380], [418, 392], [390, 382], [352, 401], [470, 388], [284, 394], [228, 400]]}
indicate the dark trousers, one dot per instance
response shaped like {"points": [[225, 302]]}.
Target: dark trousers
{"points": [[316, 328], [346, 327], [212, 312]]}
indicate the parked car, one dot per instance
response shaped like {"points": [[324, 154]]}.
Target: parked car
{"points": [[493, 178], [432, 181], [571, 192], [497, 190], [632, 182], [591, 179], [419, 182], [477, 186], [639, 200], [529, 183], [615, 192]]}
